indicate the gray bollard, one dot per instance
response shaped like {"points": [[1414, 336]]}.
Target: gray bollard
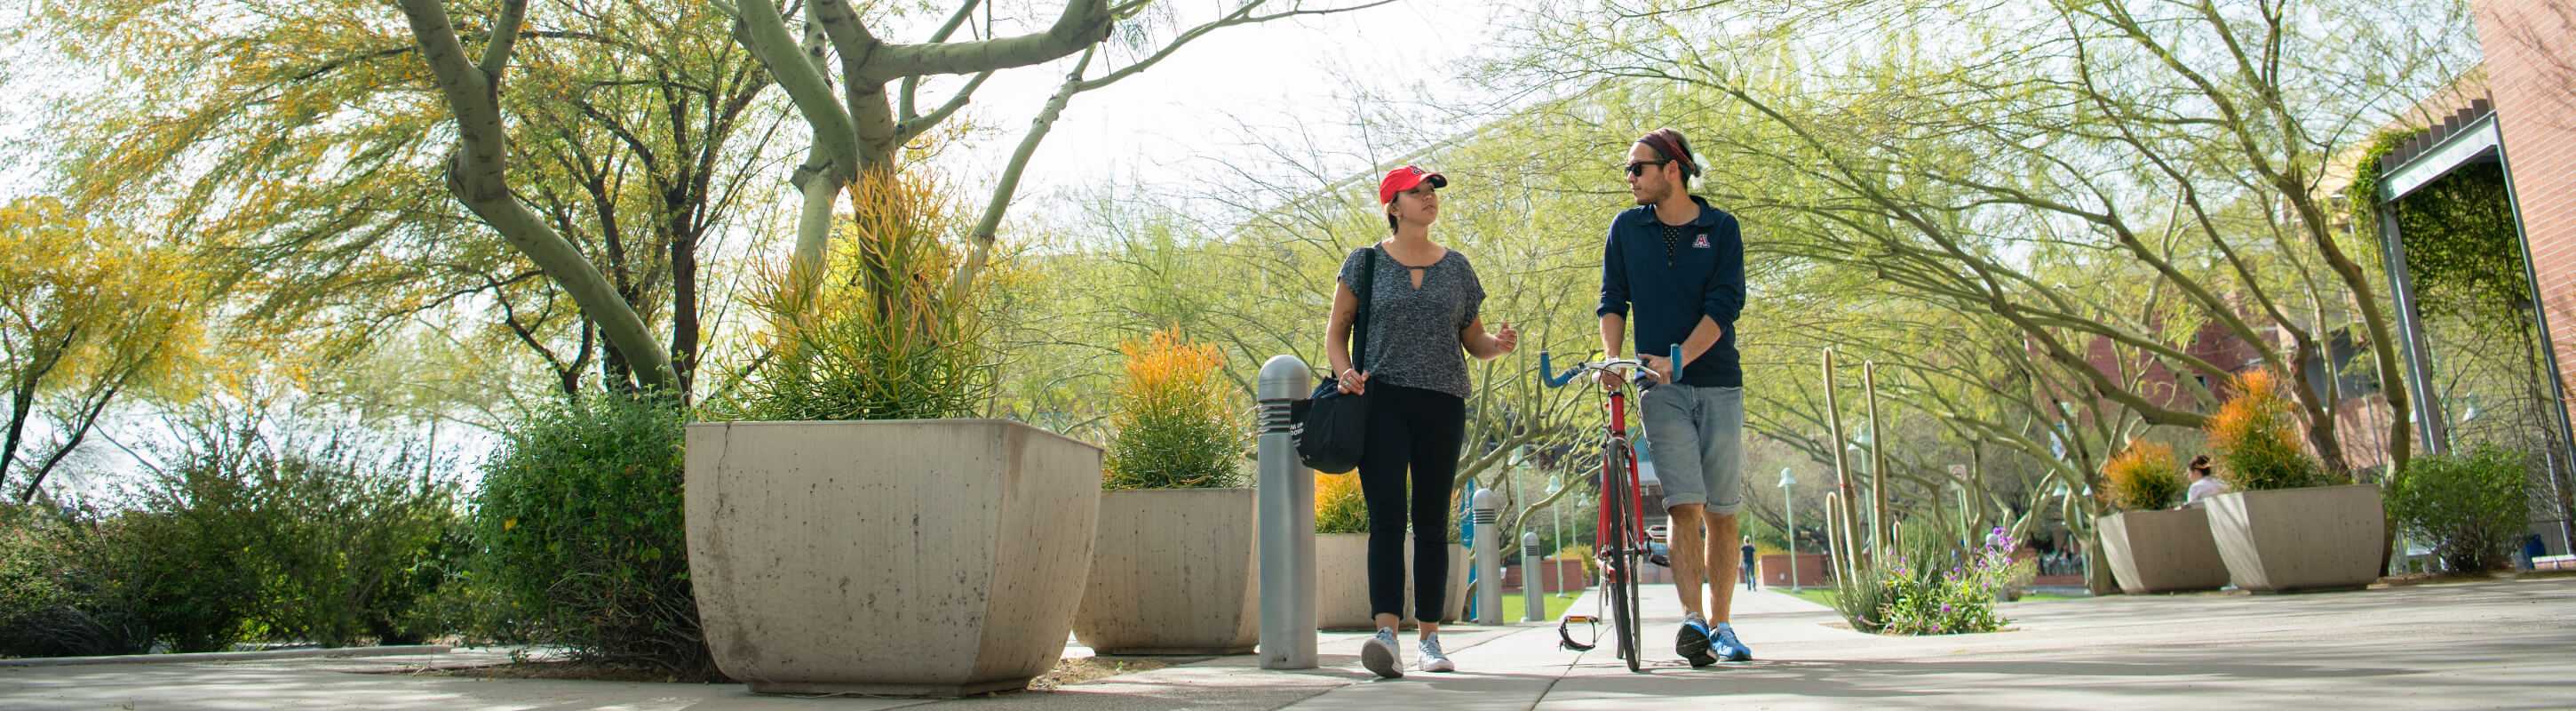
{"points": [[1489, 561], [1530, 589], [1287, 517]]}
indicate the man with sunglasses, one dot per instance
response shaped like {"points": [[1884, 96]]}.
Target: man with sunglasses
{"points": [[1680, 264]]}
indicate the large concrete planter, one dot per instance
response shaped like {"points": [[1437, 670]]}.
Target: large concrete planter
{"points": [[2321, 538], [2162, 551], [939, 557], [1172, 572], [1341, 582]]}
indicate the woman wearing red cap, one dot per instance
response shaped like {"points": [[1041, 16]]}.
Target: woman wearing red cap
{"points": [[1422, 317]]}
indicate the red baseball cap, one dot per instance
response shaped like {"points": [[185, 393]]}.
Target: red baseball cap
{"points": [[1403, 179]]}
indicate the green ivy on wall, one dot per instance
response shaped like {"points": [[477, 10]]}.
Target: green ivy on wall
{"points": [[2461, 248]]}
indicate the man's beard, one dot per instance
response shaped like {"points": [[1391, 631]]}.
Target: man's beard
{"points": [[1652, 198]]}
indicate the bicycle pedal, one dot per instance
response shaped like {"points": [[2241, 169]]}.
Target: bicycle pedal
{"points": [[1660, 559], [1581, 618]]}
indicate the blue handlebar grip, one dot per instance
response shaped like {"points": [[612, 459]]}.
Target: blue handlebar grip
{"points": [[1677, 360]]}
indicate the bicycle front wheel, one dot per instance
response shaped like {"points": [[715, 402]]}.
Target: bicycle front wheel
{"points": [[1622, 561]]}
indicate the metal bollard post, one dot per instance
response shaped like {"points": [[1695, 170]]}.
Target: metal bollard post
{"points": [[1489, 561], [1530, 589], [1287, 518]]}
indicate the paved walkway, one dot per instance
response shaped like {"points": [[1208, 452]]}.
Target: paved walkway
{"points": [[2482, 645]]}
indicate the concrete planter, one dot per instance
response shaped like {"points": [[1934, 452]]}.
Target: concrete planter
{"points": [[1172, 572], [1341, 582], [2321, 538], [934, 557], [2162, 551]]}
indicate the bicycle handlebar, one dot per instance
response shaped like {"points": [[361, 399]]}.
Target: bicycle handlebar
{"points": [[1557, 381]]}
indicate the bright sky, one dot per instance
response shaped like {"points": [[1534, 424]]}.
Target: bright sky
{"points": [[1209, 103]]}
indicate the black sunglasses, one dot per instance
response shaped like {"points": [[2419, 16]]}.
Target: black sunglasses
{"points": [[1638, 167]]}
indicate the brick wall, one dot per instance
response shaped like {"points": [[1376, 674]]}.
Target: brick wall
{"points": [[2530, 48]]}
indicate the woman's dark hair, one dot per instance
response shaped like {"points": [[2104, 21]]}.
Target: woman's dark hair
{"points": [[2200, 464]]}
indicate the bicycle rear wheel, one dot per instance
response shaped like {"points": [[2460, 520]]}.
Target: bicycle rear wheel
{"points": [[1621, 563]]}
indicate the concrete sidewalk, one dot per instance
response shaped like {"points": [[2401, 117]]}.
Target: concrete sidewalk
{"points": [[2483, 645]]}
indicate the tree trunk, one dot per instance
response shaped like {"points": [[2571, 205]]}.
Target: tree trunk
{"points": [[684, 307], [477, 175], [80, 432]]}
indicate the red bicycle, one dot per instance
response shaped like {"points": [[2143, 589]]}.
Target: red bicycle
{"points": [[1620, 543]]}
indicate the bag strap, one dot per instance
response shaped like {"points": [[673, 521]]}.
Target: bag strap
{"points": [[1360, 321]]}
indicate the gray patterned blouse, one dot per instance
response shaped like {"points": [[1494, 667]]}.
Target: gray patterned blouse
{"points": [[1413, 333]]}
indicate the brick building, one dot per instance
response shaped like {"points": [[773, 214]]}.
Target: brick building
{"points": [[2518, 117]]}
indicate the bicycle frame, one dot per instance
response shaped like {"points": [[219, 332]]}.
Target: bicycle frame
{"points": [[1635, 544], [1616, 442], [1620, 549]]}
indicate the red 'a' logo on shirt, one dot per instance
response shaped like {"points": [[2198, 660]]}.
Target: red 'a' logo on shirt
{"points": [[1702, 243]]}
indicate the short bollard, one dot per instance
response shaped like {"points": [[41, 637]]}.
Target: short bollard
{"points": [[1489, 561], [1287, 493], [1536, 598]]}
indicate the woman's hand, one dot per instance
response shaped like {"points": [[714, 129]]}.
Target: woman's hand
{"points": [[1508, 338], [1353, 382]]}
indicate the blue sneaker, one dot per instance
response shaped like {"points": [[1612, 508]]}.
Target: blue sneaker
{"points": [[1728, 647], [1693, 642]]}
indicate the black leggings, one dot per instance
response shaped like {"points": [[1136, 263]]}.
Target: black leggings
{"points": [[1419, 431]]}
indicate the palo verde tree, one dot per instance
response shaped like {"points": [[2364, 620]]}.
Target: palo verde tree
{"points": [[858, 93]]}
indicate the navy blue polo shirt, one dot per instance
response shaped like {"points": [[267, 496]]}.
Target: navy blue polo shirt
{"points": [[1672, 284]]}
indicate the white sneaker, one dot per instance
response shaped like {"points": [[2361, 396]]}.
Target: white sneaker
{"points": [[1432, 659], [1380, 655]]}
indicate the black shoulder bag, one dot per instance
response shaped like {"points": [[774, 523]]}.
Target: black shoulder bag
{"points": [[1332, 426]]}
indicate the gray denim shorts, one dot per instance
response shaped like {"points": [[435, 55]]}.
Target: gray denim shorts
{"points": [[1695, 437]]}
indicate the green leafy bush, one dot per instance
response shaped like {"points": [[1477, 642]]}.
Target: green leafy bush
{"points": [[1175, 426], [581, 517], [1930, 588], [318, 536], [2142, 478], [247, 536], [2256, 433], [2471, 506], [59, 594]]}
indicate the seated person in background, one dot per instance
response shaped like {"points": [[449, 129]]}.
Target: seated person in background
{"points": [[2202, 484]]}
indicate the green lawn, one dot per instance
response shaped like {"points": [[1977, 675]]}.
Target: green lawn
{"points": [[1556, 604], [1819, 595]]}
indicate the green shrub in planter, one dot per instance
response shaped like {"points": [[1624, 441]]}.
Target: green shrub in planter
{"points": [[2471, 506], [1339, 508], [876, 336], [2256, 434], [1175, 427], [2142, 478], [581, 516]]}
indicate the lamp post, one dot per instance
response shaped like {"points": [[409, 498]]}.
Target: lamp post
{"points": [[1558, 513], [1869, 536], [1789, 500]]}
